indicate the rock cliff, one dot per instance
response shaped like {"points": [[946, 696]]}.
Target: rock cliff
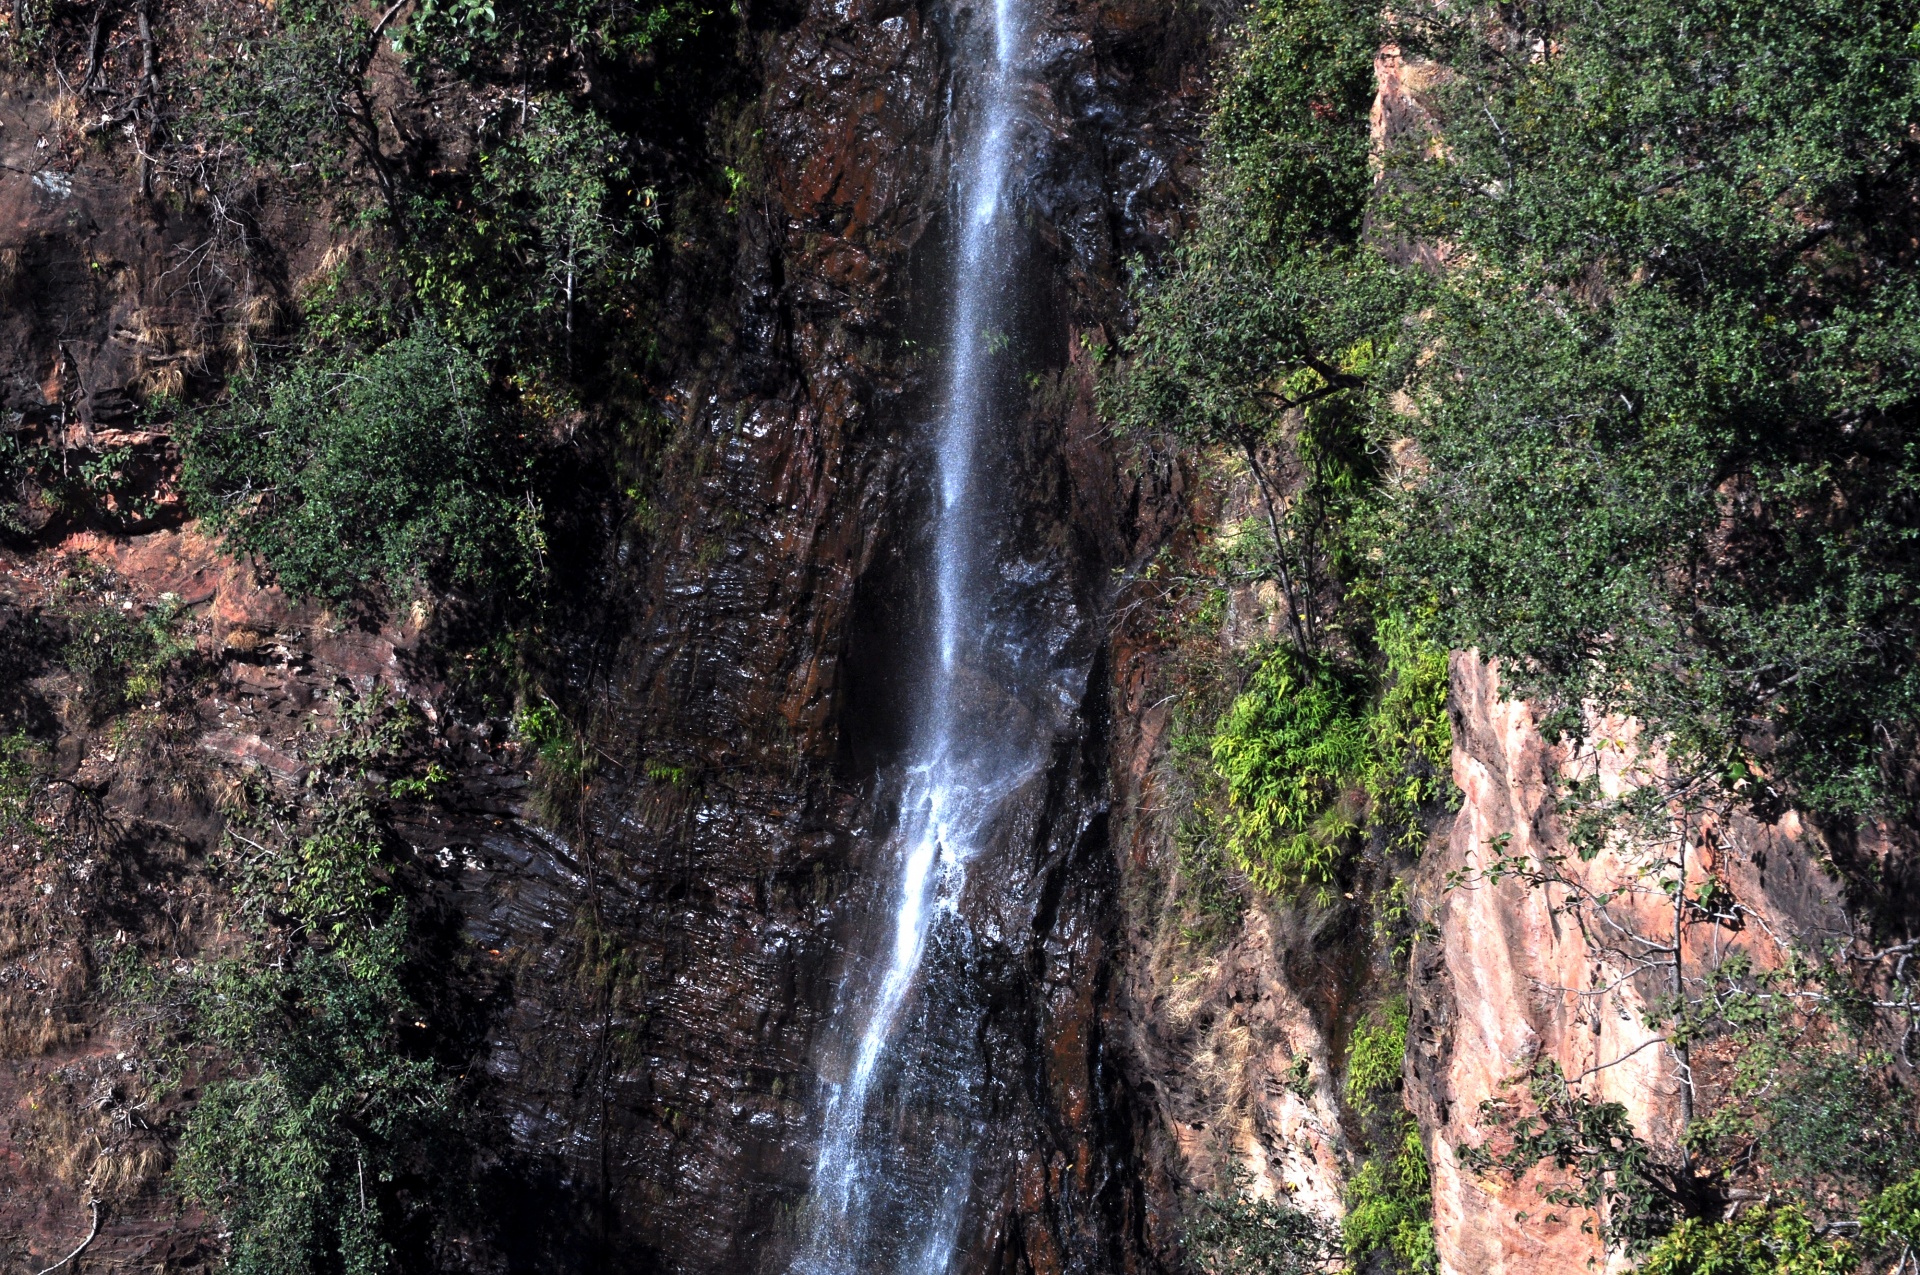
{"points": [[636, 968]]}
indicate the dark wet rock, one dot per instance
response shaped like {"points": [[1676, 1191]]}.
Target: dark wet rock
{"points": [[666, 1095]]}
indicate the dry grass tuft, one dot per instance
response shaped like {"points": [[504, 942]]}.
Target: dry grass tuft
{"points": [[165, 381], [29, 1027]]}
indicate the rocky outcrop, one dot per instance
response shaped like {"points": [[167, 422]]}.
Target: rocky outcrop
{"points": [[1513, 972]]}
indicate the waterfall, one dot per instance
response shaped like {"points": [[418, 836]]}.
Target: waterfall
{"points": [[881, 1202]]}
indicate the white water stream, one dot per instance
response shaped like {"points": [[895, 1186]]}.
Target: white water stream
{"points": [[869, 1213]]}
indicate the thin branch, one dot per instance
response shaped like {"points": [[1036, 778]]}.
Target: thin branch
{"points": [[95, 1206]]}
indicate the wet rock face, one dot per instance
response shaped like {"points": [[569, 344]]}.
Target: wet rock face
{"points": [[686, 940]]}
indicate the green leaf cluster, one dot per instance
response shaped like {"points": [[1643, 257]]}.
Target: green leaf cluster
{"points": [[1315, 754], [285, 88], [1779, 1240], [1290, 750], [1236, 1233], [1668, 379], [1784, 1239], [1390, 1207], [119, 652], [396, 467], [1376, 1053], [1610, 1170], [1389, 1200], [552, 229], [402, 442], [328, 1137], [465, 34], [319, 1155]]}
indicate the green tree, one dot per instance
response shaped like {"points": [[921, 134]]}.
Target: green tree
{"points": [[397, 467], [320, 1153]]}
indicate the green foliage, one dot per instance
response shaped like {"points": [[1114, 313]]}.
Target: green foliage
{"points": [[325, 1141], [552, 739], [552, 229], [1289, 749], [397, 446], [1891, 1219], [1233, 1233], [1389, 1200], [1807, 1101], [1659, 398], [21, 774], [1666, 413], [1390, 1205], [286, 88], [1376, 1053], [1786, 1239], [315, 1157], [334, 887], [1409, 770], [462, 33], [1615, 1175], [120, 652], [1251, 291], [421, 787], [395, 468], [1314, 754], [317, 869], [1779, 1240]]}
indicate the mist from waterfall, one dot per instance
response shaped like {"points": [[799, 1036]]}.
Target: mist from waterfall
{"points": [[881, 1202]]}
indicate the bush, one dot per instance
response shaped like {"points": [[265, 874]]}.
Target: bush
{"points": [[1314, 754], [394, 469], [1236, 1234], [319, 1157], [289, 94], [552, 229], [1290, 750], [118, 654], [1658, 402], [1759, 1241], [1376, 1053], [1390, 1207]]}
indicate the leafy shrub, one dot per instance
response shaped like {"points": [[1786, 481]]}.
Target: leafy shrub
{"points": [[325, 1142], [551, 228], [1780, 1240], [1638, 1194], [1390, 1206], [1656, 402], [119, 652], [460, 33], [395, 469], [1685, 499], [1314, 754], [316, 1156], [1891, 1219], [334, 889], [1410, 769], [1290, 750], [1784, 1239], [554, 741], [1807, 1101], [1376, 1054], [1236, 1234], [286, 89], [22, 771]]}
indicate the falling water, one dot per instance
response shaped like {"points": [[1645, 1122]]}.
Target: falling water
{"points": [[881, 1202]]}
